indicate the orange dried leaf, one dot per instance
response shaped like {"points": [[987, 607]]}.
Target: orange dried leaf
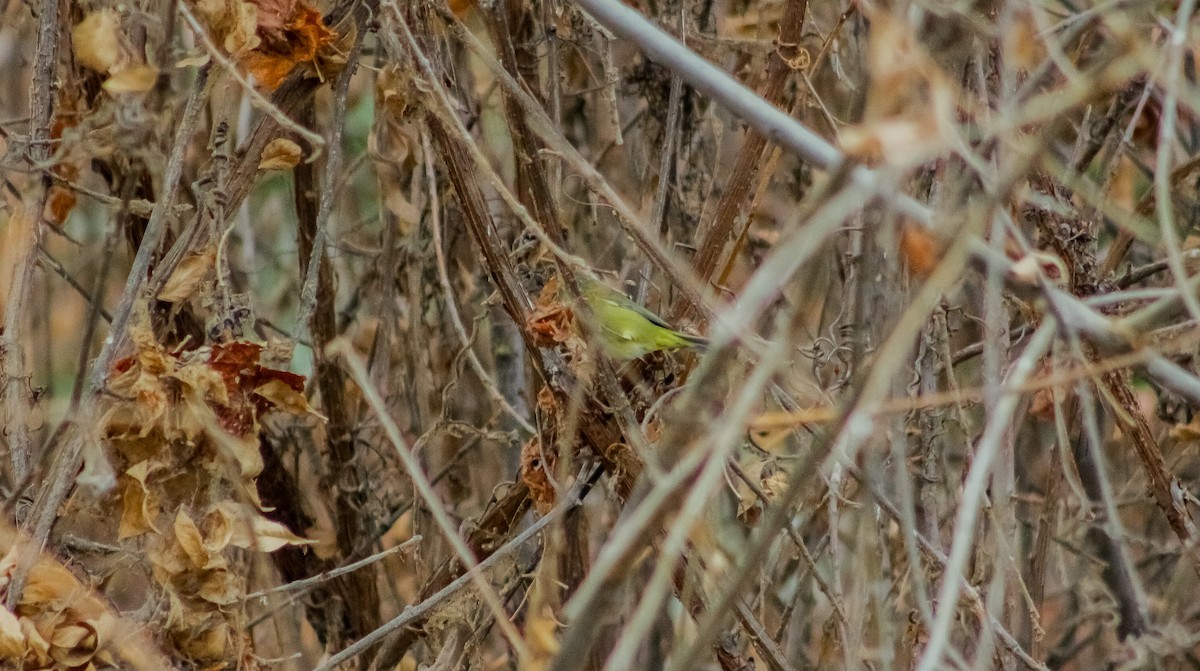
{"points": [[59, 203], [461, 7], [533, 473], [297, 42], [551, 322], [919, 249]]}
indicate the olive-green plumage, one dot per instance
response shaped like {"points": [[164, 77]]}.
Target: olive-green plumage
{"points": [[627, 330]]}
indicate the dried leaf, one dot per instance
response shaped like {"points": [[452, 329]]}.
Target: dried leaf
{"points": [[138, 510], [188, 275], [284, 397], [1023, 46], [97, 41], [551, 322], [461, 7], [273, 15], [232, 23], [533, 474], [12, 639], [255, 532], [221, 588], [72, 645], [190, 540], [541, 633], [296, 43], [919, 249], [193, 61], [209, 638], [137, 79], [280, 154], [59, 203], [1030, 267]]}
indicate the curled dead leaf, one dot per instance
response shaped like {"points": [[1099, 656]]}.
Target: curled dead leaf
{"points": [[190, 540], [280, 154], [12, 639], [139, 505], [296, 42], [97, 41], [252, 531], [137, 79], [193, 61], [221, 587], [533, 473], [285, 397], [233, 24], [187, 276]]}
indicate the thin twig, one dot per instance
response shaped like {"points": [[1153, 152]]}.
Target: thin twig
{"points": [[15, 336]]}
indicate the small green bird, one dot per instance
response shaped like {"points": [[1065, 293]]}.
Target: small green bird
{"points": [[627, 330]]}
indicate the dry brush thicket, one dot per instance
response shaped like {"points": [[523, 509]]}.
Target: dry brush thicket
{"points": [[293, 374]]}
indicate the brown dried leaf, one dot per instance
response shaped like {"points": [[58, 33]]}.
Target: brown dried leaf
{"points": [[280, 154], [187, 276], [232, 23], [221, 587], [533, 473], [461, 7], [72, 645], [139, 506], [286, 398], [551, 322], [191, 541], [204, 638], [252, 531], [59, 203], [37, 648]]}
